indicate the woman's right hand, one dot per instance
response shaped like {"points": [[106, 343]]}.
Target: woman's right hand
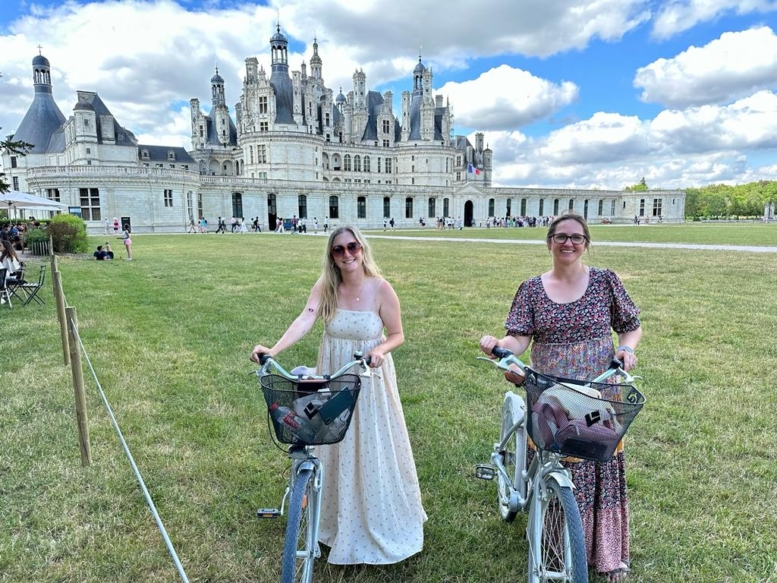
{"points": [[260, 351], [487, 344]]}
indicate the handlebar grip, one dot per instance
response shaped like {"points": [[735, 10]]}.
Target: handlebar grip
{"points": [[615, 364], [264, 358], [367, 360], [500, 352]]}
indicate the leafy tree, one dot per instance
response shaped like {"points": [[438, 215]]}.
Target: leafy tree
{"points": [[641, 186], [13, 147]]}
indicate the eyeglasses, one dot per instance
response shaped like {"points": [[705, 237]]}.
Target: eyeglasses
{"points": [[561, 238], [353, 248]]}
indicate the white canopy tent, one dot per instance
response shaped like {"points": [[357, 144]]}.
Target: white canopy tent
{"points": [[13, 199]]}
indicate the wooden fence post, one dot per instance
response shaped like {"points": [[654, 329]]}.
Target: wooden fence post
{"points": [[59, 299], [78, 387]]}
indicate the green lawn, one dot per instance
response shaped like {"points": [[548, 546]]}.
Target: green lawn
{"points": [[742, 233], [169, 335]]}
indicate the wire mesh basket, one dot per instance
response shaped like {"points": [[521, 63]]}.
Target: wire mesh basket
{"points": [[579, 418], [310, 412]]}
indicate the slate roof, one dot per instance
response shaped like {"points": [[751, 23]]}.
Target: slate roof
{"points": [[42, 119], [159, 154], [213, 138]]}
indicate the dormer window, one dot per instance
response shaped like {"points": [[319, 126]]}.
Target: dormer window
{"points": [[144, 154], [171, 155]]}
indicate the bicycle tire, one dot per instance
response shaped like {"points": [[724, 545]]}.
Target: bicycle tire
{"points": [[513, 456], [299, 548], [556, 540]]}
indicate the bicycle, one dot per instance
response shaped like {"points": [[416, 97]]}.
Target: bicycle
{"points": [[306, 410], [562, 417]]}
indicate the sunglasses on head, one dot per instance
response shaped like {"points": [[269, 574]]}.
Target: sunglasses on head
{"points": [[353, 247]]}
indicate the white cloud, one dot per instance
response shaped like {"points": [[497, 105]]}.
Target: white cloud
{"points": [[680, 15], [736, 64], [676, 149], [146, 59], [505, 97]]}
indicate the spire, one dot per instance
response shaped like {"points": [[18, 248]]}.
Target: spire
{"points": [[217, 89]]}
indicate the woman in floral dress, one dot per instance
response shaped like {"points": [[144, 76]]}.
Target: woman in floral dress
{"points": [[567, 315]]}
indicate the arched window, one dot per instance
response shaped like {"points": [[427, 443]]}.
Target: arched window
{"points": [[555, 207], [361, 207], [509, 207], [366, 163], [601, 208], [334, 207], [347, 162], [409, 207], [491, 207], [302, 206], [523, 207], [432, 208], [542, 207], [571, 204], [585, 209], [357, 163], [446, 210], [386, 206]]}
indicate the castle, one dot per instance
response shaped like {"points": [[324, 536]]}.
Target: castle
{"points": [[292, 148]]}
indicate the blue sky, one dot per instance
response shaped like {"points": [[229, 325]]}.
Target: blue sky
{"points": [[569, 93]]}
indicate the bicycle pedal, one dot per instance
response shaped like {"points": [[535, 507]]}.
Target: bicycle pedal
{"points": [[268, 513], [485, 472]]}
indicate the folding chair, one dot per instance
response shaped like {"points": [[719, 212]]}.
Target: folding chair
{"points": [[31, 289], [14, 281], [5, 294]]}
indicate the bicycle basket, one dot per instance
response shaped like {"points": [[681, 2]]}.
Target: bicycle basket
{"points": [[316, 412], [579, 418]]}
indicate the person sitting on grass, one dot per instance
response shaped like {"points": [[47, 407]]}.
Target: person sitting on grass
{"points": [[108, 250], [100, 254]]}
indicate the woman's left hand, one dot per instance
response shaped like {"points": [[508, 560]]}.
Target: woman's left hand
{"points": [[377, 358], [628, 359]]}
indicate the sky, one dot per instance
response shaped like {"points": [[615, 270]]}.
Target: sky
{"points": [[569, 93]]}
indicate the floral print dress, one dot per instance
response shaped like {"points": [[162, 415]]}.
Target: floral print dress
{"points": [[574, 340]]}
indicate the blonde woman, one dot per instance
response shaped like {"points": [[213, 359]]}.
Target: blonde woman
{"points": [[371, 509]]}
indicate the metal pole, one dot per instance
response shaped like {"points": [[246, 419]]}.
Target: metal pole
{"points": [[78, 387]]}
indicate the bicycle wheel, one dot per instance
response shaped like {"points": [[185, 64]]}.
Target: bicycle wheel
{"points": [[513, 455], [299, 548], [556, 541]]}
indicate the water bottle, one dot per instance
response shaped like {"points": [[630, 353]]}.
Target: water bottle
{"points": [[300, 428]]}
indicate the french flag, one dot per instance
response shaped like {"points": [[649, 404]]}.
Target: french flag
{"points": [[472, 170]]}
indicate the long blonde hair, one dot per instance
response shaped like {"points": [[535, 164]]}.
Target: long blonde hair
{"points": [[331, 276]]}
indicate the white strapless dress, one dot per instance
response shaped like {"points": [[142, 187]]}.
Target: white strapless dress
{"points": [[371, 506]]}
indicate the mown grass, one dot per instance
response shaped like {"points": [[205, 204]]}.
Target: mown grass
{"points": [[169, 335], [741, 233]]}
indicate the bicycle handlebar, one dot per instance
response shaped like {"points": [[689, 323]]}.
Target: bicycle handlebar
{"points": [[268, 362], [505, 358]]}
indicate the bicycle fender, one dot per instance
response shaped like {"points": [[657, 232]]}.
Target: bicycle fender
{"points": [[561, 479]]}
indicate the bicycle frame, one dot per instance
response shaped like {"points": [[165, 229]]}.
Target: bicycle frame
{"points": [[298, 562], [534, 488]]}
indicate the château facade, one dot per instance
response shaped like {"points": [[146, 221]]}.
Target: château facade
{"points": [[292, 148]]}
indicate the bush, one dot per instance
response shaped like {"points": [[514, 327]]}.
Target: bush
{"points": [[35, 235], [68, 233]]}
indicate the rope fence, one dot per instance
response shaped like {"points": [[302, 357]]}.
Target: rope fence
{"points": [[71, 342]]}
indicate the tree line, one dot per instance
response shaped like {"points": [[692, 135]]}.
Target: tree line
{"points": [[723, 200]]}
